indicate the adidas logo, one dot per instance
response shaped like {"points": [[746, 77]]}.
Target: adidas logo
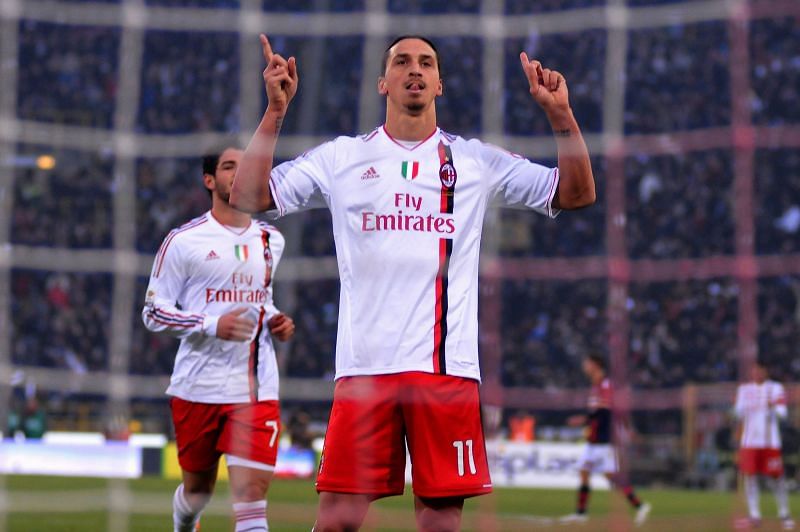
{"points": [[212, 255], [371, 173]]}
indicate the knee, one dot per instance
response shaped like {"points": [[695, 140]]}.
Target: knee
{"points": [[439, 515], [251, 491], [449, 521], [339, 514]]}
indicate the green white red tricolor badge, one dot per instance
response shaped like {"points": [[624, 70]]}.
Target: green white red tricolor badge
{"points": [[410, 170], [241, 252]]}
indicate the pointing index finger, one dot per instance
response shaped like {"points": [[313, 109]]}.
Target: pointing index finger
{"points": [[530, 71], [266, 47]]}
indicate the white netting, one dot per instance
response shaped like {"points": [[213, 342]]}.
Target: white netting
{"points": [[716, 123]]}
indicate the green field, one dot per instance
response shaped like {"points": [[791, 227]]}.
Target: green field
{"points": [[80, 504]]}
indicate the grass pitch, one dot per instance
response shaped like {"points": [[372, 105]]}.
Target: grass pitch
{"points": [[57, 504]]}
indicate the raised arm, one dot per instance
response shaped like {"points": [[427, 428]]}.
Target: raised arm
{"points": [[250, 191], [576, 183]]}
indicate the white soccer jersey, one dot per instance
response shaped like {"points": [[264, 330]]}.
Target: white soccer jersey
{"points": [[759, 406], [202, 271], [407, 224]]}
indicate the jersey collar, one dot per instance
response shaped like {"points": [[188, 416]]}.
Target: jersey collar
{"points": [[239, 230], [414, 147]]}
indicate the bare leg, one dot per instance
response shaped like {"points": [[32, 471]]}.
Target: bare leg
{"points": [[341, 512], [248, 489], [438, 514], [191, 497]]}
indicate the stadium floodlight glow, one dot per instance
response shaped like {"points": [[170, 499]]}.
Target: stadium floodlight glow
{"points": [[45, 162]]}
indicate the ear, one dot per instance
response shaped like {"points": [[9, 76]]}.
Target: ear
{"points": [[440, 88], [382, 90], [209, 181]]}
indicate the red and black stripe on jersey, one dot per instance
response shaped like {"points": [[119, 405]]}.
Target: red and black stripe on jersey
{"points": [[252, 364], [447, 176], [599, 417]]}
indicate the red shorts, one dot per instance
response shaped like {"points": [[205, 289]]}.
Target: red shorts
{"points": [[374, 417], [761, 462], [205, 431]]}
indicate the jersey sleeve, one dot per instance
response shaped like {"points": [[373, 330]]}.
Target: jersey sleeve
{"points": [[161, 313], [517, 182], [738, 405], [303, 183], [779, 401]]}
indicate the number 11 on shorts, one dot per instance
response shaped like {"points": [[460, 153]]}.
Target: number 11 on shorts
{"points": [[459, 445]]}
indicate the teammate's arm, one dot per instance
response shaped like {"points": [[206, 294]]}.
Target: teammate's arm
{"points": [[250, 192], [279, 324], [778, 403], [576, 183], [161, 313]]}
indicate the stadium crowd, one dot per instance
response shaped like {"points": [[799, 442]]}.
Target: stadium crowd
{"points": [[676, 206]]}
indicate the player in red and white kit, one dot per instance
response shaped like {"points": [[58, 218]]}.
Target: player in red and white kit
{"points": [[211, 286], [759, 405], [408, 202], [600, 455]]}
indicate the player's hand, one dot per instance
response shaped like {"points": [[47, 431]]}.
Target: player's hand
{"points": [[235, 327], [548, 87], [281, 327], [280, 78]]}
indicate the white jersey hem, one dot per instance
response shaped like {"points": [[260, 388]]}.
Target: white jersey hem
{"points": [[391, 371]]}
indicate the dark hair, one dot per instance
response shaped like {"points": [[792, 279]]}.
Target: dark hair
{"points": [[597, 360], [211, 158], [427, 41]]}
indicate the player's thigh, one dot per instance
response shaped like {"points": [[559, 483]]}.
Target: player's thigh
{"points": [[445, 436], [251, 434], [196, 434], [364, 451]]}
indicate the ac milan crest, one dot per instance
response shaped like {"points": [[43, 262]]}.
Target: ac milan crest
{"points": [[448, 175]]}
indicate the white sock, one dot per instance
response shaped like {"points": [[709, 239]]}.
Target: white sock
{"points": [[781, 497], [251, 516], [185, 515], [751, 491]]}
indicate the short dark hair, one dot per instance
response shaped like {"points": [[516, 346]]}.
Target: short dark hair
{"points": [[211, 159], [385, 59], [597, 360]]}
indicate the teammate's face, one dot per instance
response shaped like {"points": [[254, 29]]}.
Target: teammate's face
{"points": [[411, 80], [222, 181], [588, 367], [759, 373]]}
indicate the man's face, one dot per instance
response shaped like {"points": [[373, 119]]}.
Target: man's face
{"points": [[222, 181], [759, 373], [411, 79], [588, 368]]}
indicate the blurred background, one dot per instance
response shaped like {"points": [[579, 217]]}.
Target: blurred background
{"points": [[685, 271]]}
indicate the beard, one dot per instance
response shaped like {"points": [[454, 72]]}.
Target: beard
{"points": [[415, 108], [224, 195]]}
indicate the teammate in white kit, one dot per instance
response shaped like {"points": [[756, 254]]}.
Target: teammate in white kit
{"points": [[211, 286], [759, 405], [408, 202]]}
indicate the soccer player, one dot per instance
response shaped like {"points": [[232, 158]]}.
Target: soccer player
{"points": [[600, 455], [759, 404], [408, 202], [211, 286]]}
